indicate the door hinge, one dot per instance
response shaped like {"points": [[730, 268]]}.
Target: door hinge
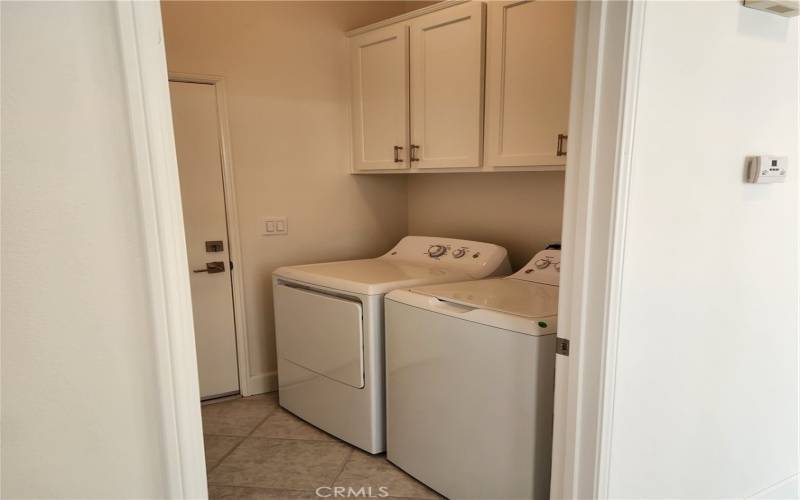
{"points": [[231, 264], [562, 346]]}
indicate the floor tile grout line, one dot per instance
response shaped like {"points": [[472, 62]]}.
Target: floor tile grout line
{"points": [[344, 465], [260, 423], [219, 462], [250, 434], [350, 449]]}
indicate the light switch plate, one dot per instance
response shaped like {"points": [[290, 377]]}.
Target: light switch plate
{"points": [[274, 226]]}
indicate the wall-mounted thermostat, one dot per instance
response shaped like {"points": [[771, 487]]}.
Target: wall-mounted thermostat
{"points": [[765, 169]]}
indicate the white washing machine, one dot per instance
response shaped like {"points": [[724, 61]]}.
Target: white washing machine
{"points": [[329, 329], [470, 370]]}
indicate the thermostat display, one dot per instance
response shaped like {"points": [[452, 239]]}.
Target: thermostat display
{"points": [[766, 169]]}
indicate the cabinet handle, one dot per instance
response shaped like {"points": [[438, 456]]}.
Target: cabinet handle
{"points": [[397, 150], [560, 151], [414, 148]]}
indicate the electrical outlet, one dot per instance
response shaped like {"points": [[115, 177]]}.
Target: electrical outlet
{"points": [[274, 226]]}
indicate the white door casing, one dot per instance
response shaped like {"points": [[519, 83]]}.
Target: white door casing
{"points": [[196, 125], [141, 41], [604, 83], [528, 68], [446, 78], [379, 64]]}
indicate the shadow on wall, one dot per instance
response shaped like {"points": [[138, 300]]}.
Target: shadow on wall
{"points": [[758, 24], [521, 211], [371, 189]]}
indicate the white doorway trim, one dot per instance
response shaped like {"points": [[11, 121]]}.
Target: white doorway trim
{"points": [[608, 38], [141, 44], [607, 54], [232, 219]]}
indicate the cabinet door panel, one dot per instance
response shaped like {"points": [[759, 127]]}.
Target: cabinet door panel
{"points": [[529, 64], [447, 87], [380, 99]]}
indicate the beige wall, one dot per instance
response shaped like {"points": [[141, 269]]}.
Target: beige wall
{"points": [[286, 68], [81, 413], [519, 210]]}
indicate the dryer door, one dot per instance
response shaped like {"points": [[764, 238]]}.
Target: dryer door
{"points": [[320, 332]]}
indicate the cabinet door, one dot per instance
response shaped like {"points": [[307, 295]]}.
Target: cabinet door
{"points": [[447, 88], [529, 64], [380, 99]]}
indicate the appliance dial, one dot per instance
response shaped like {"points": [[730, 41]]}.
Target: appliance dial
{"points": [[436, 251], [541, 263], [459, 252], [558, 266]]}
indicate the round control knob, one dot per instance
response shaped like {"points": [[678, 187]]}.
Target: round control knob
{"points": [[558, 266], [541, 263], [459, 252], [436, 251]]}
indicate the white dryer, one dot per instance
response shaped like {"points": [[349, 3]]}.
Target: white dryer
{"points": [[329, 329], [470, 370]]}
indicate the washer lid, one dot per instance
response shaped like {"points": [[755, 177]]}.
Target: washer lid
{"points": [[370, 276], [505, 295]]}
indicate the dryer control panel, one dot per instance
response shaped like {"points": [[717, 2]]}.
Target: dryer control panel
{"points": [[544, 267]]}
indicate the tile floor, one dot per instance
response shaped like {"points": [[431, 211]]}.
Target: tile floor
{"points": [[256, 450]]}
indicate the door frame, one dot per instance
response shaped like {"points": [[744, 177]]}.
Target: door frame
{"points": [[231, 219], [607, 50], [144, 74], [596, 199]]}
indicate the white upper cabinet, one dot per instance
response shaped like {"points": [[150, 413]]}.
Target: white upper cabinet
{"points": [[418, 102], [379, 109], [529, 62], [447, 88]]}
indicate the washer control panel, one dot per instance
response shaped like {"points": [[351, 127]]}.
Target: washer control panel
{"points": [[436, 251], [544, 267], [473, 257]]}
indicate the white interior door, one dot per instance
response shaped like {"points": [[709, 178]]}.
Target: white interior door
{"points": [[194, 115], [447, 88], [379, 62]]}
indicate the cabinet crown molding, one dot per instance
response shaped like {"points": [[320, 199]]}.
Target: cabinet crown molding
{"points": [[405, 17]]}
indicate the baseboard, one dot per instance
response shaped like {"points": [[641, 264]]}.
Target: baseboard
{"points": [[259, 384], [787, 488]]}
